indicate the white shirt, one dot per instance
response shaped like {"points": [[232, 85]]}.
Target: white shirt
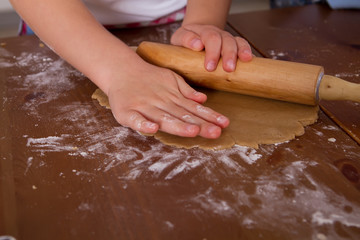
{"points": [[113, 12]]}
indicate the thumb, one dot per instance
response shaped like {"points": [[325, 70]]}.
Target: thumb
{"points": [[188, 92], [188, 39]]}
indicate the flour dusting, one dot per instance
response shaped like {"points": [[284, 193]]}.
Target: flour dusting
{"points": [[348, 75], [228, 189], [49, 144], [320, 218], [111, 145], [218, 206], [29, 163], [331, 127], [5, 64], [248, 154], [315, 200], [48, 78], [277, 54]]}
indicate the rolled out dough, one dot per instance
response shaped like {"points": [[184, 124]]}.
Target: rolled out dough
{"points": [[253, 121]]}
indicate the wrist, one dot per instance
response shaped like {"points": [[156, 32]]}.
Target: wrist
{"points": [[207, 12], [115, 68]]}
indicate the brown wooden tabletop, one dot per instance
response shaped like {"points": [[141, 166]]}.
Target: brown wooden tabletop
{"points": [[69, 171], [313, 34]]}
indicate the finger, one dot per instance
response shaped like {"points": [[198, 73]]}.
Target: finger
{"points": [[159, 120], [213, 42], [182, 121], [188, 39], [170, 124], [207, 130], [205, 113], [197, 109], [244, 49], [210, 115], [229, 52], [136, 121], [188, 92]]}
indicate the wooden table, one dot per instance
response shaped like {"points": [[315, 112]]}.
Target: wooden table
{"points": [[69, 171], [315, 35]]}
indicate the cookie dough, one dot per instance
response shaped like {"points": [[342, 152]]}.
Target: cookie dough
{"points": [[253, 121]]}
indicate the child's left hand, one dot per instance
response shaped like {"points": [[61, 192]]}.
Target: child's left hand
{"points": [[216, 42]]}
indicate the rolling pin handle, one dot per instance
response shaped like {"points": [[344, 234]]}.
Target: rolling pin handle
{"points": [[333, 88]]}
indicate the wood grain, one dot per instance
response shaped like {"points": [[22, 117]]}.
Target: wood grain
{"points": [[77, 174], [313, 34]]}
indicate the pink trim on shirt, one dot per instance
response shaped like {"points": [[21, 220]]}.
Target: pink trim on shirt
{"points": [[22, 29], [172, 17]]}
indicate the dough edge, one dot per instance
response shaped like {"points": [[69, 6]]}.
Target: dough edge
{"points": [[225, 141]]}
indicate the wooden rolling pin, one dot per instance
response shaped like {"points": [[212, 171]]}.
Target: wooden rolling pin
{"points": [[281, 80]]}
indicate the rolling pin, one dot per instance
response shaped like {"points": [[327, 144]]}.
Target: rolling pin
{"points": [[261, 77]]}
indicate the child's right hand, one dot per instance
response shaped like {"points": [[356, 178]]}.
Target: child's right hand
{"points": [[149, 98]]}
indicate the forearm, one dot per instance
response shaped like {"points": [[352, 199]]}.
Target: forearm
{"points": [[142, 96], [68, 28], [210, 12]]}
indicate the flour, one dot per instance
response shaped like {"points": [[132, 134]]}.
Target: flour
{"points": [[277, 54], [319, 218], [49, 144], [85, 207], [6, 60], [100, 142], [330, 127], [169, 225], [208, 201], [314, 201], [87, 136], [4, 53], [51, 79], [28, 165], [5, 64], [347, 75], [248, 154], [183, 168], [158, 167], [320, 134], [48, 78]]}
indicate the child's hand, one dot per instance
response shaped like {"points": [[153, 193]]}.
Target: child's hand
{"points": [[217, 43], [142, 96], [154, 98]]}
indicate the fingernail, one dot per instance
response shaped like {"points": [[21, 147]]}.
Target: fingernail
{"points": [[222, 120], [214, 131], [247, 52], [196, 44], [231, 65], [211, 66], [150, 125], [196, 93], [192, 129]]}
